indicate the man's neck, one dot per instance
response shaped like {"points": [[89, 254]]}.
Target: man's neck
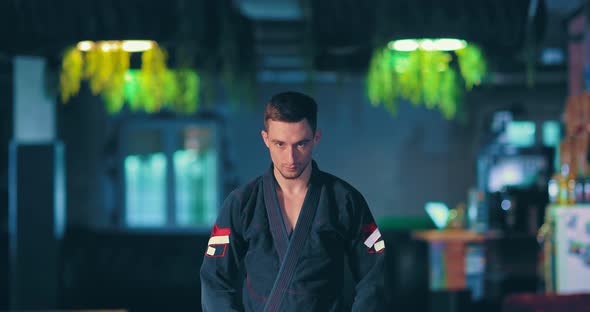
{"points": [[294, 186]]}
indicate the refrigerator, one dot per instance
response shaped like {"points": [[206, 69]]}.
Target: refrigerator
{"points": [[572, 248]]}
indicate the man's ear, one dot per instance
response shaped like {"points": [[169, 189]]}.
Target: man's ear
{"points": [[264, 135], [317, 136]]}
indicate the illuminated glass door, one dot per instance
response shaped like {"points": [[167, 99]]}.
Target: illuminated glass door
{"points": [[195, 168], [171, 174]]}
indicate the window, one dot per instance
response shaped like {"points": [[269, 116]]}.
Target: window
{"points": [[521, 133], [145, 196], [171, 174], [551, 133], [195, 177]]}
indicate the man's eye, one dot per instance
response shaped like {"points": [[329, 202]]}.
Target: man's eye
{"points": [[279, 144], [302, 144]]}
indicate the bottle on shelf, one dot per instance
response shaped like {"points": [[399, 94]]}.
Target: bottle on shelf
{"points": [[571, 176], [587, 188], [565, 179], [580, 181], [553, 188]]}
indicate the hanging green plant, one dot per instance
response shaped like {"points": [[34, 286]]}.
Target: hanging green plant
{"points": [[421, 71], [105, 65], [113, 92], [180, 91], [71, 73], [382, 86], [187, 91], [472, 65]]}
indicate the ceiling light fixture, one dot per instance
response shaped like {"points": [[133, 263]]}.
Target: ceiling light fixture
{"points": [[137, 45], [85, 45], [442, 44], [112, 45]]}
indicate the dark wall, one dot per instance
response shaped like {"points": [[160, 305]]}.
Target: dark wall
{"points": [[5, 135], [83, 127]]}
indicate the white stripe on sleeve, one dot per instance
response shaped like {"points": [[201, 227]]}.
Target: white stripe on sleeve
{"points": [[379, 245], [370, 241], [219, 240]]}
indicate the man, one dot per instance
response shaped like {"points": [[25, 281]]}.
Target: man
{"points": [[280, 241]]}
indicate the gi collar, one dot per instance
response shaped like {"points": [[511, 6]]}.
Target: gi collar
{"points": [[314, 177]]}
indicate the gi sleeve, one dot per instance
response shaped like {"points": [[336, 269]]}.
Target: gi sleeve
{"points": [[366, 255], [220, 271]]}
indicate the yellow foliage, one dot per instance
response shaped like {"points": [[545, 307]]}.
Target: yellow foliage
{"points": [[114, 88], [106, 67], [424, 77], [71, 74], [152, 78]]}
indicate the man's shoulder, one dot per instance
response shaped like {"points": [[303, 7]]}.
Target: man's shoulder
{"points": [[339, 185], [247, 189]]}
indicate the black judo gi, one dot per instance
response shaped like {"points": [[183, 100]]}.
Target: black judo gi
{"points": [[252, 264]]}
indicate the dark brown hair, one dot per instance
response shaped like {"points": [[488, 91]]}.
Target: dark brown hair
{"points": [[291, 107]]}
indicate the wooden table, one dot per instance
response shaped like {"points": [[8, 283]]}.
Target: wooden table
{"points": [[447, 264]]}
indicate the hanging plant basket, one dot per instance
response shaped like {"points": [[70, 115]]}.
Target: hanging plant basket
{"points": [[105, 66], [423, 72]]}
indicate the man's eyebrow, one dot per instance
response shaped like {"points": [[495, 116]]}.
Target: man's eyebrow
{"points": [[302, 141]]}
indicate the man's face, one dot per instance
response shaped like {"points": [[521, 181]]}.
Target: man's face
{"points": [[290, 145]]}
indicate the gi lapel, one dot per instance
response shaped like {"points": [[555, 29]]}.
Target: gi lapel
{"points": [[275, 220], [298, 237]]}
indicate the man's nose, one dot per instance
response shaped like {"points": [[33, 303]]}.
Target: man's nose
{"points": [[291, 154]]}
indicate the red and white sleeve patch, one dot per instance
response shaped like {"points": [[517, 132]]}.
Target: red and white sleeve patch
{"points": [[373, 240], [218, 242]]}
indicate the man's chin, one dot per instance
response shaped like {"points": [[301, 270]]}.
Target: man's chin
{"points": [[291, 175]]}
